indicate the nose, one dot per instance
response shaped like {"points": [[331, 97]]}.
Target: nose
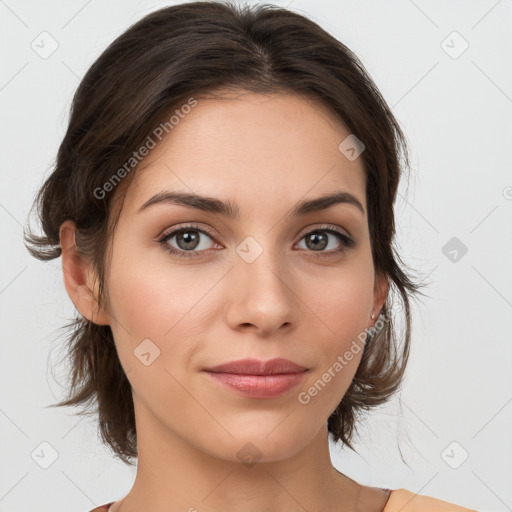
{"points": [[261, 295]]}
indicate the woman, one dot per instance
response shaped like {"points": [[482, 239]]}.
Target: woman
{"points": [[223, 205]]}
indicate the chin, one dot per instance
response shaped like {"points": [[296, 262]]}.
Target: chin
{"points": [[264, 444]]}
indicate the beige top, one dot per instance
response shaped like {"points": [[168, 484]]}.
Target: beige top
{"points": [[406, 501], [399, 500]]}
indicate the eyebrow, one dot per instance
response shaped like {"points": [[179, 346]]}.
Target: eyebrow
{"points": [[231, 210]]}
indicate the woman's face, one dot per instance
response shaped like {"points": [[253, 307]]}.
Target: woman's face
{"points": [[268, 282]]}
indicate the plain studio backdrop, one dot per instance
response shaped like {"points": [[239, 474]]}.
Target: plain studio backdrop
{"points": [[444, 69]]}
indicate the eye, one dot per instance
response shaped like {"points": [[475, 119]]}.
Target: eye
{"points": [[189, 243], [318, 239], [188, 239]]}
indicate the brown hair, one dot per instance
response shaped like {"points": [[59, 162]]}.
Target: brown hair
{"points": [[157, 64]]}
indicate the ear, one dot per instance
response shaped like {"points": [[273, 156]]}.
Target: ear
{"points": [[380, 292], [79, 277]]}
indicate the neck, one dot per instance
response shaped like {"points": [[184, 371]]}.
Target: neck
{"points": [[173, 475]]}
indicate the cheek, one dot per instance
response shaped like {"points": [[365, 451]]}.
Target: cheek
{"points": [[155, 325], [340, 314], [152, 298], [341, 302]]}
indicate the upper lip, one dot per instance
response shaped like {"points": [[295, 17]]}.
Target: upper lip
{"points": [[257, 367]]}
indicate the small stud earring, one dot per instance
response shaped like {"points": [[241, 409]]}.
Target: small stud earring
{"points": [[373, 316]]}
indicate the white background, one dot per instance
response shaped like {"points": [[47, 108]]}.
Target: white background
{"points": [[457, 115]]}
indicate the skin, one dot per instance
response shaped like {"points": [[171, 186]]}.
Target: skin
{"points": [[264, 153]]}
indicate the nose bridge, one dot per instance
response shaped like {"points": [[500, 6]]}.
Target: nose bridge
{"points": [[262, 292], [260, 262]]}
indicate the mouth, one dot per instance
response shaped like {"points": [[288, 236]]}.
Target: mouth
{"points": [[254, 378]]}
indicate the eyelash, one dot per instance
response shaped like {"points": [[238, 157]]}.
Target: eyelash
{"points": [[347, 243]]}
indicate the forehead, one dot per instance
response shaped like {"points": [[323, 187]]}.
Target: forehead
{"points": [[251, 147]]}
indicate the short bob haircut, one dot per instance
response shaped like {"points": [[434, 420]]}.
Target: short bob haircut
{"points": [[194, 50]]}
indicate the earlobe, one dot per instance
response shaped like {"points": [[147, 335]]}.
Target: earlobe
{"points": [[79, 277]]}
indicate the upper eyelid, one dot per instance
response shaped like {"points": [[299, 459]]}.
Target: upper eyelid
{"points": [[173, 231], [325, 226]]}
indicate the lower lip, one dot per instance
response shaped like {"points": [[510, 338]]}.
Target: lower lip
{"points": [[259, 386]]}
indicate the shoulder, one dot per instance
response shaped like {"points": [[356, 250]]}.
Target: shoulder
{"points": [[102, 508], [406, 501]]}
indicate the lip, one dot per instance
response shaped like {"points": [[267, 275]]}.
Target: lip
{"points": [[277, 366], [258, 386], [258, 379]]}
